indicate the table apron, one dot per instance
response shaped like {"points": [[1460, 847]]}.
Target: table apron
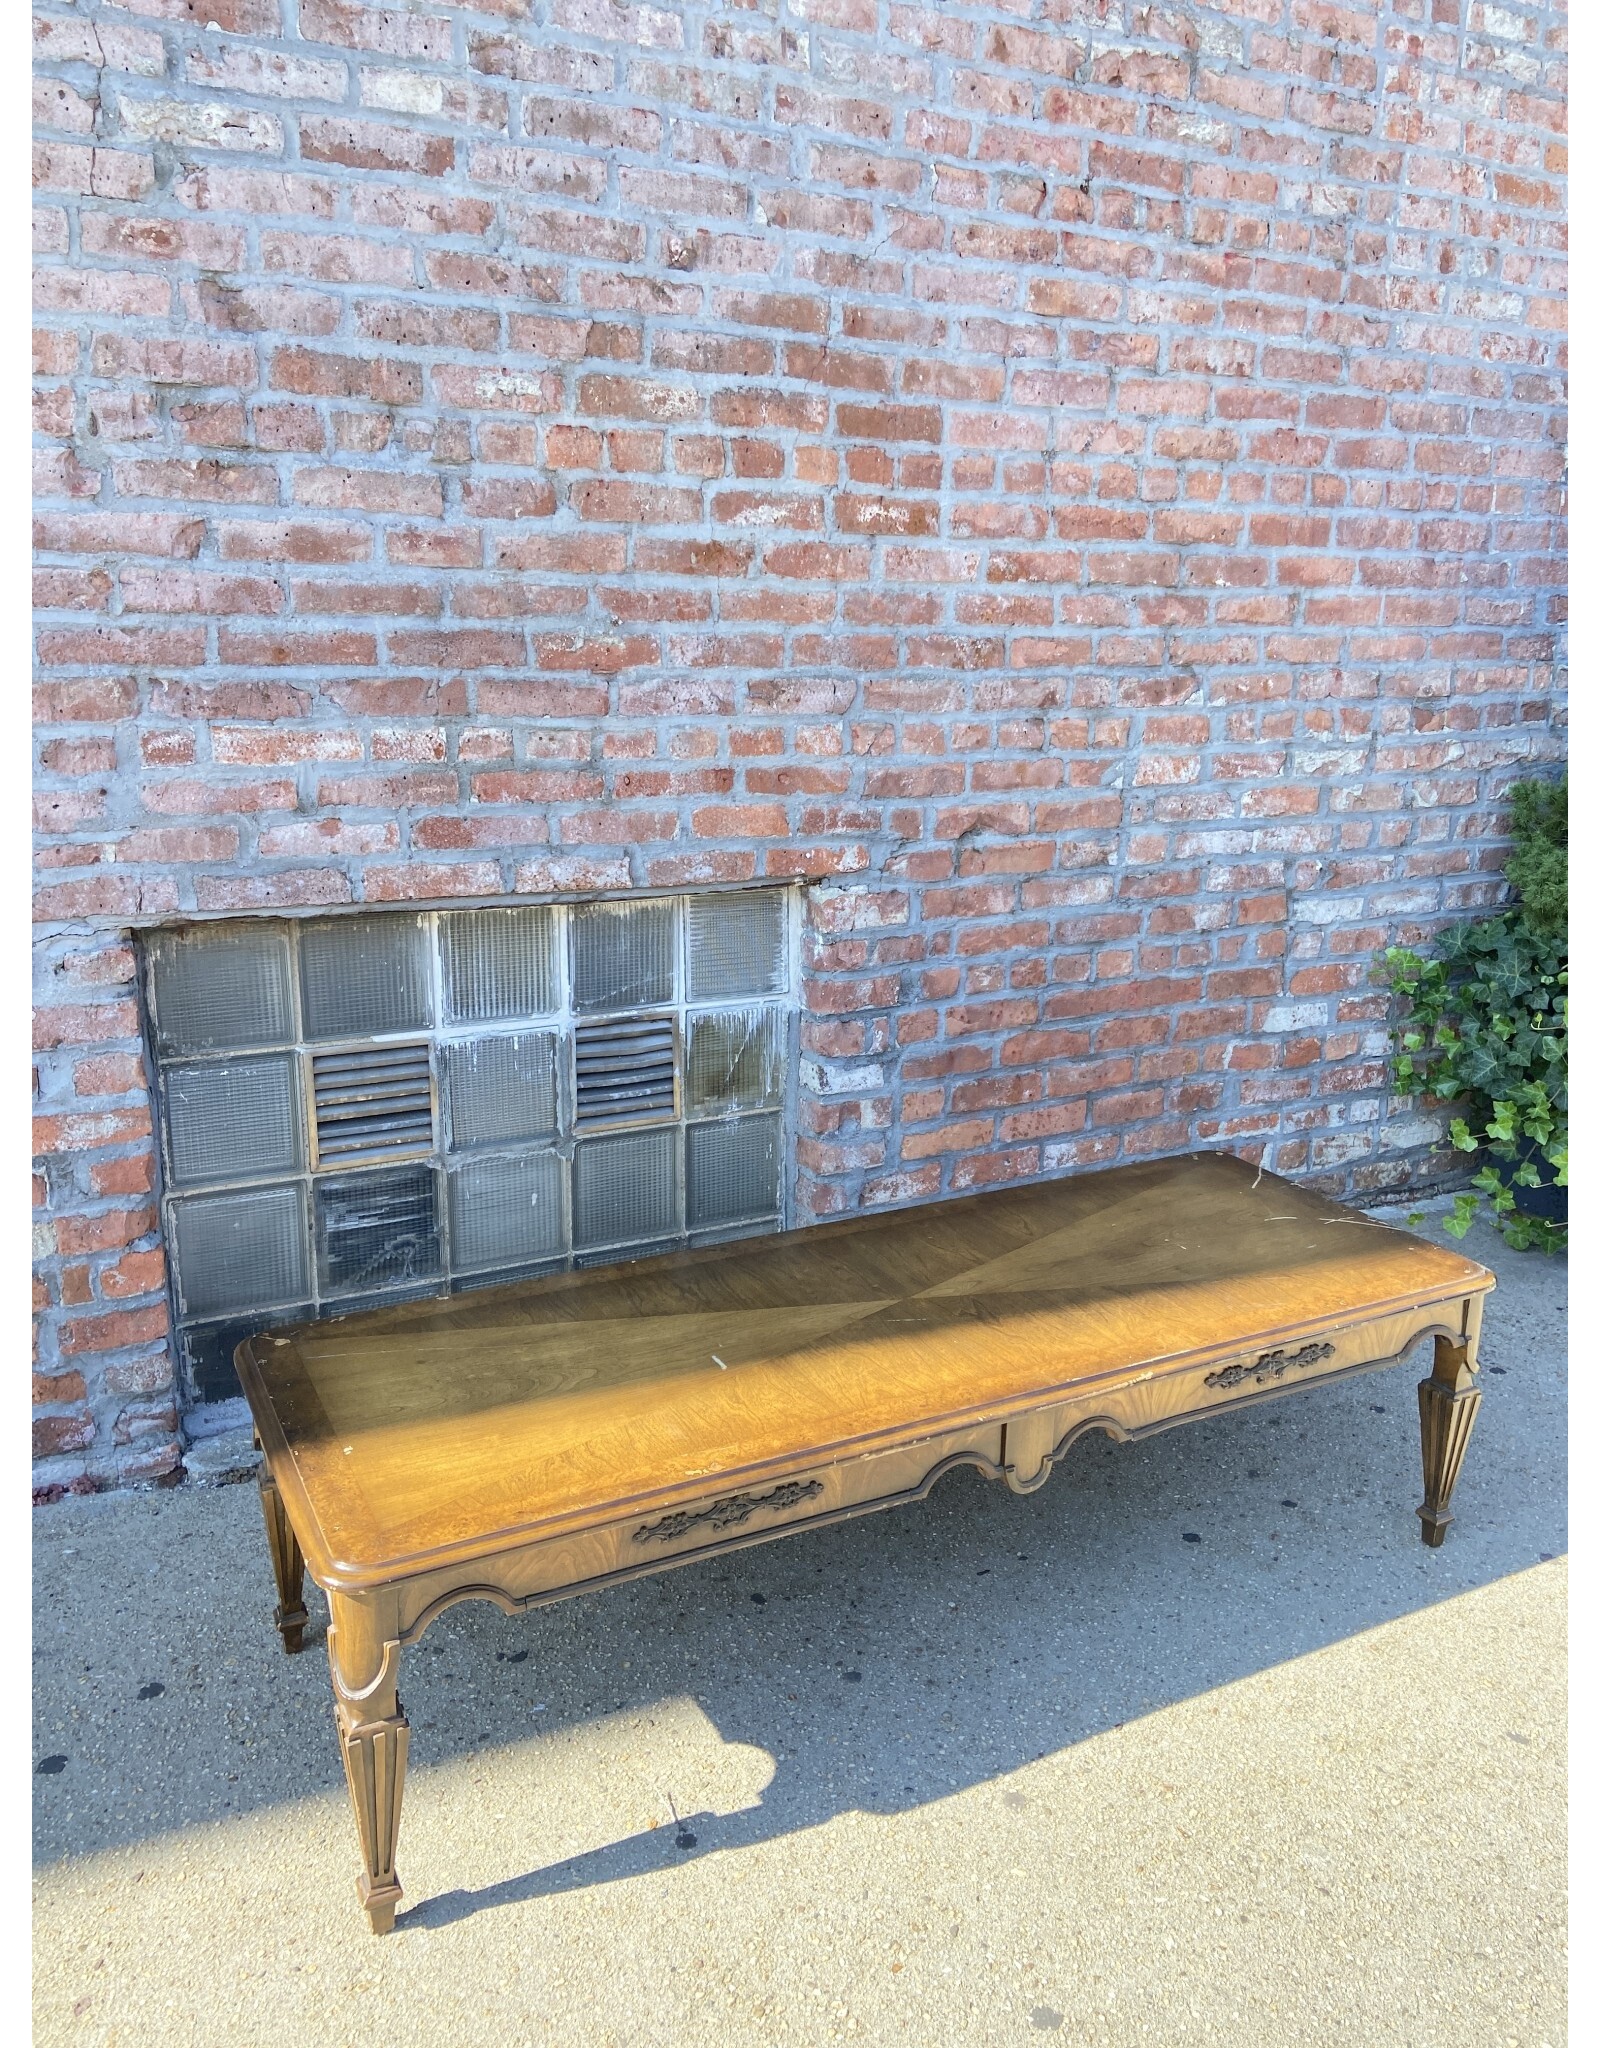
{"points": [[1019, 1448]]}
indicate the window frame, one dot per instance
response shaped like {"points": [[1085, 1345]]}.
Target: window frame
{"points": [[442, 1156]]}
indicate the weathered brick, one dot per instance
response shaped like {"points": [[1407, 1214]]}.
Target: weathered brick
{"points": [[369, 490], [375, 145], [54, 1435], [199, 123], [355, 26], [1099, 527], [117, 1330], [133, 1275], [112, 293]]}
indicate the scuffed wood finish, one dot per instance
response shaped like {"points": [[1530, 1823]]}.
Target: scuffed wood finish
{"points": [[374, 1739], [647, 1385], [1449, 1400], [528, 1442], [288, 1566]]}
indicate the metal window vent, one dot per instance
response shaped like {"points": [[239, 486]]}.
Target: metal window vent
{"points": [[625, 1072], [375, 1102]]}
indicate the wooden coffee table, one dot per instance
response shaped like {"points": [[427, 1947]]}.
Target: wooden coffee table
{"points": [[527, 1442]]}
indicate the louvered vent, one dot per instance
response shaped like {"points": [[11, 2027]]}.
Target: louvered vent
{"points": [[373, 1103], [625, 1072]]}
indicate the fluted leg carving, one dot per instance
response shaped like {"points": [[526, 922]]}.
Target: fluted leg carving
{"points": [[375, 1771], [288, 1566], [1448, 1400], [374, 1737]]}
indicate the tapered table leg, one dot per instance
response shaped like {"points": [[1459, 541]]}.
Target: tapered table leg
{"points": [[288, 1566], [1448, 1400], [374, 1737]]}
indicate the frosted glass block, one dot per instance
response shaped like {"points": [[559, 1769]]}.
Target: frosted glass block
{"points": [[733, 1169], [239, 1251], [233, 1119], [499, 964], [213, 986], [625, 1188], [624, 955], [501, 1089], [737, 945], [506, 1212], [361, 976], [377, 1230], [735, 1060]]}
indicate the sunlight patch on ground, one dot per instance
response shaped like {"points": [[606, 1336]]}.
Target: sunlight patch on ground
{"points": [[1363, 1844]]}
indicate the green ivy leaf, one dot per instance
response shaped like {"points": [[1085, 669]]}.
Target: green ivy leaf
{"points": [[1481, 1024], [1459, 1221]]}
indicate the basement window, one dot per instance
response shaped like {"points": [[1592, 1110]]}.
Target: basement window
{"points": [[363, 1109]]}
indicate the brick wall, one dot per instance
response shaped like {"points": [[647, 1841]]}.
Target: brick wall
{"points": [[1079, 480]]}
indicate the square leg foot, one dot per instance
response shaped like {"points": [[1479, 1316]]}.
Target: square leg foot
{"points": [[291, 1624], [378, 1901]]}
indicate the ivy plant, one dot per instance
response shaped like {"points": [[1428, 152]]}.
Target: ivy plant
{"points": [[1483, 1028], [1537, 869]]}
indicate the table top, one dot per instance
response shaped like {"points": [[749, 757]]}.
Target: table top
{"points": [[443, 1430]]}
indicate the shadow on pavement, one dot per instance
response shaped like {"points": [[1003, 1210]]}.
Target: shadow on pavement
{"points": [[880, 1664]]}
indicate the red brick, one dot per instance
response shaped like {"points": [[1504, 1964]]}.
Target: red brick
{"points": [[291, 889], [180, 797], [130, 1176], [375, 146], [292, 541], [56, 1389], [956, 1136], [421, 881], [891, 422], [483, 388], [205, 477], [992, 1169], [119, 1073], [131, 293], [206, 703], [106, 1230], [536, 785], [117, 1330], [369, 490], [134, 1274], [325, 373], [741, 821], [789, 311], [83, 1024], [120, 533], [1012, 496], [636, 504], [397, 791], [637, 398], [55, 1435]]}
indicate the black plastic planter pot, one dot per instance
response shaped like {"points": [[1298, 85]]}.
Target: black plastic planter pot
{"points": [[1547, 1203]]}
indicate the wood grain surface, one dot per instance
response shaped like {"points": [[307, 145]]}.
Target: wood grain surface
{"points": [[447, 1429]]}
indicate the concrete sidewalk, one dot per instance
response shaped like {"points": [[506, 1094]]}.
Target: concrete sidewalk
{"points": [[979, 1771]]}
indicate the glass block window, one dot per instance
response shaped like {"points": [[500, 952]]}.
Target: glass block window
{"points": [[363, 1109]]}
